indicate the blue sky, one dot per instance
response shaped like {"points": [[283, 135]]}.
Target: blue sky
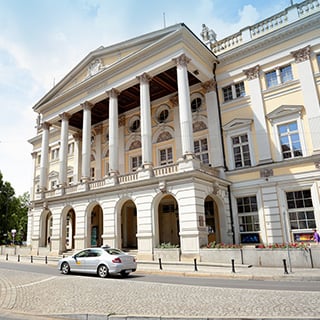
{"points": [[42, 40]]}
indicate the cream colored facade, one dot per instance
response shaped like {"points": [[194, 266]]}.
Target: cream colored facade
{"points": [[167, 138]]}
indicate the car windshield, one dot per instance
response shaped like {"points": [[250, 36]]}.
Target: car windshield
{"points": [[113, 251]]}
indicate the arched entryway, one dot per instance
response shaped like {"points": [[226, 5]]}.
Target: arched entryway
{"points": [[212, 220], [46, 229], [129, 225], [168, 215], [68, 229], [95, 230]]}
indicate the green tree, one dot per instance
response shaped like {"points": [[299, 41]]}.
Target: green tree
{"points": [[13, 213]]}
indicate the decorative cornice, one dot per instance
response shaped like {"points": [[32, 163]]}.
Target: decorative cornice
{"points": [[252, 73], [302, 54], [209, 85], [182, 60]]}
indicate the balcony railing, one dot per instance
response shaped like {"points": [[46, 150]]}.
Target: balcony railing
{"points": [[288, 16], [128, 178]]}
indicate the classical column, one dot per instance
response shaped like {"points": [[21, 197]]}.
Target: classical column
{"points": [[309, 92], [215, 142], [98, 144], [113, 132], [77, 157], [64, 148], [86, 141], [257, 106], [184, 105], [44, 156], [121, 146], [146, 133]]}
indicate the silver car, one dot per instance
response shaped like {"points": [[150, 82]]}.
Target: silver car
{"points": [[102, 261]]}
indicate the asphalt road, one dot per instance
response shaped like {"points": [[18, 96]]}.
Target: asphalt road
{"points": [[181, 280]]}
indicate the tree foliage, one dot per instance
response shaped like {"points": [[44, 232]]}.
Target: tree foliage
{"points": [[13, 213]]}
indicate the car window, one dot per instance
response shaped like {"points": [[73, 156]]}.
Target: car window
{"points": [[94, 253], [113, 251], [82, 254]]}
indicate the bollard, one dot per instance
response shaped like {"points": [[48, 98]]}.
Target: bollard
{"points": [[195, 265], [232, 263], [7, 257], [285, 266], [18, 257], [46, 260], [31, 259], [160, 264]]}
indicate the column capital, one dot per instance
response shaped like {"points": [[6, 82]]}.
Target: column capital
{"points": [[45, 125], [113, 93], [182, 60], [98, 130], [209, 85], [252, 73], [302, 54], [122, 121], [77, 136], [174, 101], [144, 78], [87, 105], [34, 154], [65, 116]]}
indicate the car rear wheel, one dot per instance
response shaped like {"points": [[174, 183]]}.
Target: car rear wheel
{"points": [[103, 271], [65, 268]]}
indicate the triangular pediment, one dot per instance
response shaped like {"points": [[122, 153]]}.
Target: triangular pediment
{"points": [[284, 111], [53, 174], [237, 124], [107, 58]]}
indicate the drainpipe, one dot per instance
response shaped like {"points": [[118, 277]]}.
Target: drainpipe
{"points": [[223, 151]]}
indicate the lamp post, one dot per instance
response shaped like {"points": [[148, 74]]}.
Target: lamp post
{"points": [[13, 233]]}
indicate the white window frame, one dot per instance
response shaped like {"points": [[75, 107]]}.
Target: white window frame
{"points": [[241, 193], [134, 169], [159, 156], [283, 115], [279, 77], [238, 127], [199, 138], [233, 91]]}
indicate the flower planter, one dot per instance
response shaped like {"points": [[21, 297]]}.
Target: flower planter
{"points": [[170, 254]]}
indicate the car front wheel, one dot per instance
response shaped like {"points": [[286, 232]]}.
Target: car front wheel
{"points": [[103, 271], [65, 268]]}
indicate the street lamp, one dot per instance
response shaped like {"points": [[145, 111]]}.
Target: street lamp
{"points": [[13, 233]]}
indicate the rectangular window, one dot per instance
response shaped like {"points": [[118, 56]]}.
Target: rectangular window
{"points": [[241, 152], [165, 156], [300, 210], [286, 74], [249, 226], [201, 150], [279, 76], [136, 162], [290, 140], [70, 148], [240, 92], [233, 91], [318, 59], [271, 79], [54, 154], [227, 93]]}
